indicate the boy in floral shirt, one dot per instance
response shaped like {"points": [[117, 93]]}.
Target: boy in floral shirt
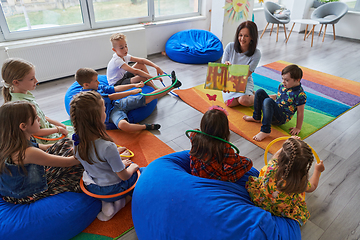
{"points": [[279, 109]]}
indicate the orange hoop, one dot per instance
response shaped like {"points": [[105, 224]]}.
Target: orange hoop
{"points": [[108, 196], [50, 139]]}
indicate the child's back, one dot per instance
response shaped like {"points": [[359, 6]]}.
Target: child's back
{"points": [[27, 173], [105, 172], [214, 158], [281, 185]]}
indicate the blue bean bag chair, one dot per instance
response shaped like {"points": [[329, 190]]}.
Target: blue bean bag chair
{"points": [[194, 47], [134, 116], [58, 217], [170, 203]]}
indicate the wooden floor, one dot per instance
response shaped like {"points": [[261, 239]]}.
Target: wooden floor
{"points": [[334, 206]]}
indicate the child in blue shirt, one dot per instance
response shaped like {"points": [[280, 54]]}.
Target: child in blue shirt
{"points": [[117, 102], [279, 109]]}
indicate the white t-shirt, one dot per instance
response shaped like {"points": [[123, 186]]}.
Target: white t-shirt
{"points": [[102, 173], [114, 71]]}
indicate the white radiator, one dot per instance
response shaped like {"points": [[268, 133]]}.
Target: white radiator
{"points": [[57, 57]]}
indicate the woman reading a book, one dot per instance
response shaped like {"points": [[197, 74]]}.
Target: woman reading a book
{"points": [[243, 51]]}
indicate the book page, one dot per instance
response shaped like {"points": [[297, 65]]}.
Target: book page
{"points": [[237, 78], [216, 76]]}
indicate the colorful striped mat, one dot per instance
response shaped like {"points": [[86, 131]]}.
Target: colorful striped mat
{"points": [[328, 97]]}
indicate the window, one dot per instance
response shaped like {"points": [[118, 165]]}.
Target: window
{"points": [[32, 18], [353, 5]]}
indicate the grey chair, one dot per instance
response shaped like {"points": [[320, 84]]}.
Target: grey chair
{"points": [[269, 9], [329, 13]]}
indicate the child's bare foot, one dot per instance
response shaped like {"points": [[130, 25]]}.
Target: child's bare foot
{"points": [[260, 136], [250, 119]]}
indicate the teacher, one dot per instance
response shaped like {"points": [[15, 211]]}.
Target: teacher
{"points": [[243, 51]]}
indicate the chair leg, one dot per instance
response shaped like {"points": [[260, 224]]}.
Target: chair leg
{"points": [[290, 32], [272, 26], [324, 32], [264, 30], [277, 32], [321, 29], [334, 30], [285, 31]]}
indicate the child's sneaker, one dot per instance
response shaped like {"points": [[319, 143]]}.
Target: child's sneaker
{"points": [[152, 126], [173, 79]]}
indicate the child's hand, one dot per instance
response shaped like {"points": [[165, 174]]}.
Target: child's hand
{"points": [[121, 149], [294, 131], [126, 162], [63, 131], [62, 125], [159, 71], [136, 91], [159, 78], [296, 137], [140, 84], [133, 166], [125, 153], [320, 166], [228, 63]]}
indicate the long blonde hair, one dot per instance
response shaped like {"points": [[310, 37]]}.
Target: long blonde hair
{"points": [[13, 69], [12, 138], [85, 115]]}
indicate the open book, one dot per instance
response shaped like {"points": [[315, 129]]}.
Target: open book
{"points": [[224, 77]]}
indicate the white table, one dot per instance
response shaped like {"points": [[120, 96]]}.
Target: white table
{"points": [[307, 22]]}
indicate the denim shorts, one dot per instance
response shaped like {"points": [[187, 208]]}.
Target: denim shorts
{"points": [[124, 105], [114, 189]]}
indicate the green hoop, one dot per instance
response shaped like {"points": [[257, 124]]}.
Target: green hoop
{"points": [[152, 94], [220, 139]]}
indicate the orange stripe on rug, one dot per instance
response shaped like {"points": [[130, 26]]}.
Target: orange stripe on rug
{"points": [[146, 148], [196, 97]]}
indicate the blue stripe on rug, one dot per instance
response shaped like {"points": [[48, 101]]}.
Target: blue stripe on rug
{"points": [[328, 106], [310, 86]]}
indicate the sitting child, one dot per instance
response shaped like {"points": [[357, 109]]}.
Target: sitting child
{"points": [[279, 109], [19, 80], [120, 73], [212, 158], [281, 185], [119, 103], [105, 172], [27, 172]]}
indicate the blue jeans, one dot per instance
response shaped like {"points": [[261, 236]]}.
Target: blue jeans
{"points": [[271, 112], [114, 189]]}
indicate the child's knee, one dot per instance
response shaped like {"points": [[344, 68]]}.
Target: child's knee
{"points": [[123, 124], [259, 91]]}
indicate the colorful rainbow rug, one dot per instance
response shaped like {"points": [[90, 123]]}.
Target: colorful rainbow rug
{"points": [[146, 148], [327, 98]]}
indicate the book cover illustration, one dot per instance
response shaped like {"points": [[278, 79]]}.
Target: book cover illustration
{"points": [[224, 77]]}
